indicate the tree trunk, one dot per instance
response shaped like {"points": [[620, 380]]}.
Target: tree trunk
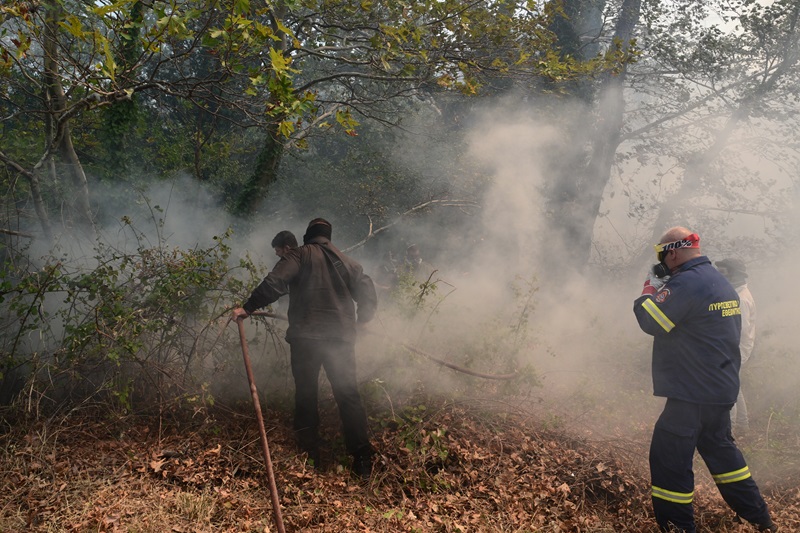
{"points": [[577, 31], [579, 193], [62, 139], [80, 186], [264, 174], [120, 117], [36, 194], [269, 159]]}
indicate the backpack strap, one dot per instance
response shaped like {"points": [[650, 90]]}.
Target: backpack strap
{"points": [[342, 274]]}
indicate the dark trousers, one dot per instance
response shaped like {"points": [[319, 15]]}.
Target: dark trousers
{"points": [[682, 428], [339, 361]]}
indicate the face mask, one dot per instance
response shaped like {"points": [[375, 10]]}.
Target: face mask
{"points": [[661, 270]]}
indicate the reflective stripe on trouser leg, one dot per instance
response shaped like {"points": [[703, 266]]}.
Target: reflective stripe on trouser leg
{"points": [[728, 467], [746, 500], [732, 477], [675, 497], [673, 510], [740, 492], [671, 515], [671, 456]]}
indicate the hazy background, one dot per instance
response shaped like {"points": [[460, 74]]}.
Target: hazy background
{"points": [[580, 334], [705, 138]]}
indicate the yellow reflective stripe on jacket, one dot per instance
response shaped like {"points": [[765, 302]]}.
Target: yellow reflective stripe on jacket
{"points": [[653, 310], [732, 477], [670, 496]]}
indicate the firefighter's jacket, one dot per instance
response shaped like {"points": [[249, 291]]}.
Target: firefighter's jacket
{"points": [[321, 294], [695, 320]]}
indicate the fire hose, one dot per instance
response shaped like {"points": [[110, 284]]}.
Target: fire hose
{"points": [[410, 348]]}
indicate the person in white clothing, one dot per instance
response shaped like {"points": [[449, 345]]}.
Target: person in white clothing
{"points": [[736, 273]]}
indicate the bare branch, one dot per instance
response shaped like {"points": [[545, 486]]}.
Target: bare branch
{"points": [[16, 233], [431, 203]]}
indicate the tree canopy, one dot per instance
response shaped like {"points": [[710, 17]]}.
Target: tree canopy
{"points": [[654, 112], [84, 83]]}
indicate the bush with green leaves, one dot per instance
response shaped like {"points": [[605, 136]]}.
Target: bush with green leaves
{"points": [[133, 326]]}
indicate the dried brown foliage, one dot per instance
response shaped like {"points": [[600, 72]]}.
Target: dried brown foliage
{"points": [[456, 468]]}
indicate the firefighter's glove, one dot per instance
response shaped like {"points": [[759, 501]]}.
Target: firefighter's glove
{"points": [[653, 283]]}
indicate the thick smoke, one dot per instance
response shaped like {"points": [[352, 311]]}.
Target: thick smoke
{"points": [[493, 299], [584, 340]]}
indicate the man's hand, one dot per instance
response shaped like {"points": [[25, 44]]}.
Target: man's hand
{"points": [[239, 313], [653, 283]]}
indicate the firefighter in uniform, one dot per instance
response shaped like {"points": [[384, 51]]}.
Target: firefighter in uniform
{"points": [[693, 313]]}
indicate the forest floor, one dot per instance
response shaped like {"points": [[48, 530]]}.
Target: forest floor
{"points": [[443, 466]]}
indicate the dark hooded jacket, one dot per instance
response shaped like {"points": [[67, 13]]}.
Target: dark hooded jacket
{"points": [[321, 297]]}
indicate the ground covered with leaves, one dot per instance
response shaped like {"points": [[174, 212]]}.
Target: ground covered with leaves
{"points": [[442, 466]]}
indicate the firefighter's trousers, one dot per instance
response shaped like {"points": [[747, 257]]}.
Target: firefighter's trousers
{"points": [[682, 428]]}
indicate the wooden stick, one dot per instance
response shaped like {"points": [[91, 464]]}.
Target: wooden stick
{"points": [[273, 489]]}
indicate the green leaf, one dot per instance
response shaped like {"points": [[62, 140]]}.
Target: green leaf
{"points": [[116, 6], [241, 6], [73, 26], [280, 62], [283, 28], [110, 65], [286, 128]]}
